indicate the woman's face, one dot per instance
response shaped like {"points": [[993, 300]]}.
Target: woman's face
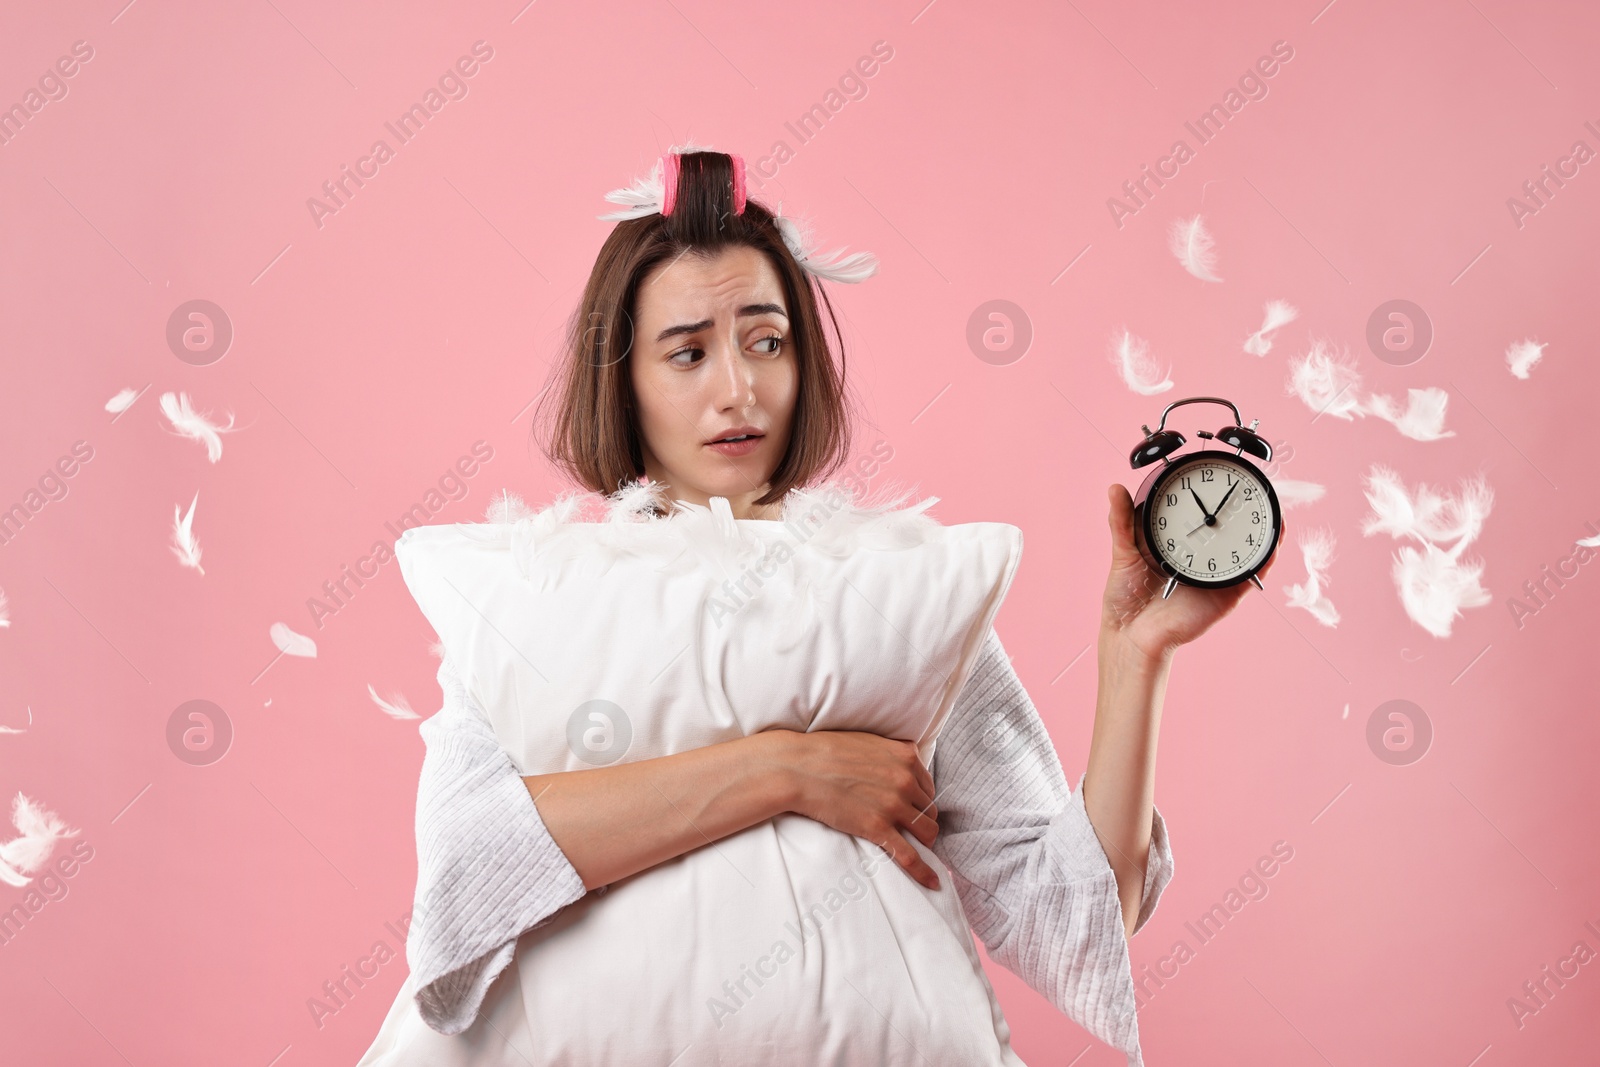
{"points": [[713, 355]]}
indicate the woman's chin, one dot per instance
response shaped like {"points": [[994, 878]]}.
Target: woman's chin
{"points": [[733, 479]]}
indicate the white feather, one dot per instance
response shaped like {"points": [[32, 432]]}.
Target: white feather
{"points": [[397, 708], [1435, 583], [827, 517], [636, 501], [857, 267], [1139, 371], [1522, 355], [1423, 417], [507, 507], [291, 643], [1316, 548], [184, 545], [38, 830], [1194, 248], [195, 425], [5, 611], [1326, 381], [1292, 493], [1591, 542], [123, 400], [1429, 515], [647, 194], [1278, 313]]}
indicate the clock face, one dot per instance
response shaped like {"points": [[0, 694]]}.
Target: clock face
{"points": [[1213, 518]]}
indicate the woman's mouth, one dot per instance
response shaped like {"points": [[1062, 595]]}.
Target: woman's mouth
{"points": [[737, 445]]}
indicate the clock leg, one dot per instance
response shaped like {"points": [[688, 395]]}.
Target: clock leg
{"points": [[1172, 583], [1259, 586]]}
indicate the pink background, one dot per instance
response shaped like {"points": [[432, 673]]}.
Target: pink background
{"points": [[372, 352]]}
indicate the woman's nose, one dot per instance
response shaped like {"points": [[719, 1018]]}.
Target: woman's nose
{"points": [[735, 380]]}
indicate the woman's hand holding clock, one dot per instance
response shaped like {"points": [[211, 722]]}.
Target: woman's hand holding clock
{"points": [[1133, 609]]}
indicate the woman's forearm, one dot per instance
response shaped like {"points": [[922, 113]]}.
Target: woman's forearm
{"points": [[1119, 786], [615, 821]]}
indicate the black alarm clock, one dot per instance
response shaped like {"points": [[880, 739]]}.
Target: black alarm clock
{"points": [[1208, 518]]}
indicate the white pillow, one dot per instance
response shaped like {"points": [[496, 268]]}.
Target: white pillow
{"points": [[590, 643]]}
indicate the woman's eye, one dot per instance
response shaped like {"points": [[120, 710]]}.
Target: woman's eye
{"points": [[695, 354]]}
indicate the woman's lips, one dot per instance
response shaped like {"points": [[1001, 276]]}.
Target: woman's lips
{"points": [[737, 448]]}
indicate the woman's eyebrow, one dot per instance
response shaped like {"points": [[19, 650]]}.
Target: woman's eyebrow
{"points": [[744, 312]]}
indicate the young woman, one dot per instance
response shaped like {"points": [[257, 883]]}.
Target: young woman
{"points": [[698, 361]]}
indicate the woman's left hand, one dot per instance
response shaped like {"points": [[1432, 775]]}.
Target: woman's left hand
{"points": [[1133, 608]]}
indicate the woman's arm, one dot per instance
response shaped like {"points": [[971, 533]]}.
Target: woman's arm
{"points": [[1122, 753], [615, 821], [1139, 632]]}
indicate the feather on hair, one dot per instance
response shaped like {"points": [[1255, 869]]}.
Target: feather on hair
{"points": [[648, 192], [852, 269]]}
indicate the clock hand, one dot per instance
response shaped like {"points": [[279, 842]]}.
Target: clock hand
{"points": [[1225, 497], [1202, 503]]}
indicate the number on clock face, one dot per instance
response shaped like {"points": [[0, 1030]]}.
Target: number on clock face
{"points": [[1233, 544]]}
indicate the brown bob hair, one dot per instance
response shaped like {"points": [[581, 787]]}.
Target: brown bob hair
{"points": [[588, 426]]}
